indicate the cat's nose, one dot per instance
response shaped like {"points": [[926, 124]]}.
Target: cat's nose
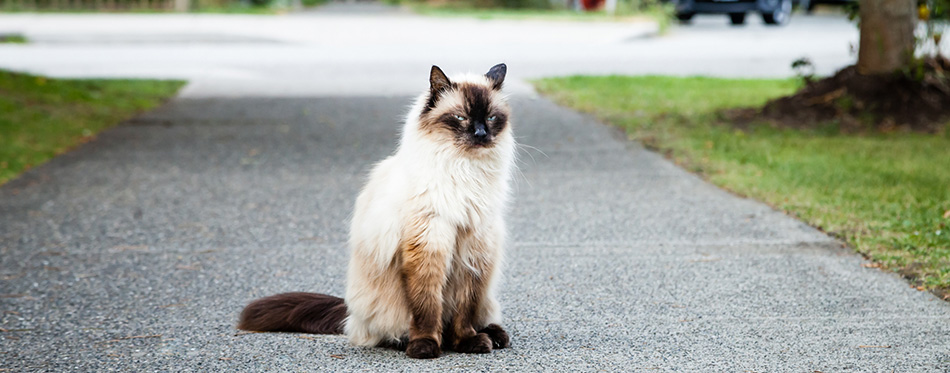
{"points": [[480, 132]]}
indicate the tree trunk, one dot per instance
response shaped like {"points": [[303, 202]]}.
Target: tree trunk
{"points": [[887, 35]]}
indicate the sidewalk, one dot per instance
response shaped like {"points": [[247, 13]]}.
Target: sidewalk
{"points": [[138, 250]]}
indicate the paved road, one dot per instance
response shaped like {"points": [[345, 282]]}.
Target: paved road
{"points": [[379, 53], [136, 251]]}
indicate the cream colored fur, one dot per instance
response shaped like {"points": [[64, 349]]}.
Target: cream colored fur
{"points": [[456, 189]]}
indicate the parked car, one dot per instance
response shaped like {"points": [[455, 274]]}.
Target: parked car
{"points": [[774, 12], [810, 5]]}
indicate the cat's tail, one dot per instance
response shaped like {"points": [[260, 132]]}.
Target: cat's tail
{"points": [[295, 312]]}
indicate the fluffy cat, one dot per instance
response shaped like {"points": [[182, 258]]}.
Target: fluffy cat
{"points": [[427, 233]]}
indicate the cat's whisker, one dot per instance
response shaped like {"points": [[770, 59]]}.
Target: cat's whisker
{"points": [[525, 147], [517, 168], [533, 148], [521, 160], [533, 159]]}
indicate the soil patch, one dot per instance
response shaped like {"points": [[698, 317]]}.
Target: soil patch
{"points": [[916, 100]]}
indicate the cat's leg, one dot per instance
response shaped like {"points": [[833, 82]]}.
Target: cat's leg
{"points": [[377, 307], [487, 318], [425, 254], [473, 282], [469, 290]]}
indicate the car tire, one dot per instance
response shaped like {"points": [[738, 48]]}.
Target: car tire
{"points": [[780, 15], [685, 17], [805, 6], [737, 18]]}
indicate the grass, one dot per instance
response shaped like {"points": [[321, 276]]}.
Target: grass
{"points": [[42, 117], [887, 195], [232, 8], [211, 7], [206, 10], [12, 39]]}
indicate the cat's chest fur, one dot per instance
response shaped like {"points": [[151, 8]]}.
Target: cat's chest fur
{"points": [[463, 191]]}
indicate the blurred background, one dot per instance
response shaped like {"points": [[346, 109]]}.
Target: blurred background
{"points": [[281, 47]]}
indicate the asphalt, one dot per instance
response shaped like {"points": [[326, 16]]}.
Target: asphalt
{"points": [[137, 251]]}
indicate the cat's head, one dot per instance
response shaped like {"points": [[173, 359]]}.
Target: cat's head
{"points": [[470, 111]]}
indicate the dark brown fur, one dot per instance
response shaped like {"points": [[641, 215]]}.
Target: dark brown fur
{"points": [[295, 312], [497, 75], [438, 84], [423, 348], [468, 293], [423, 275], [477, 109], [499, 337]]}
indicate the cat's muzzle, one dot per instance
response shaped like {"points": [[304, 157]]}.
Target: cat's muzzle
{"points": [[481, 137]]}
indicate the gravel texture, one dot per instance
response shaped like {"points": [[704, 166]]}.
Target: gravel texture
{"points": [[137, 251]]}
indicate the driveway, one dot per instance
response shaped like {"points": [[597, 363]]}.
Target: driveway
{"points": [[137, 251]]}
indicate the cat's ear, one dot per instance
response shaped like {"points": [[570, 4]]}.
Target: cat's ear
{"points": [[497, 75], [437, 80]]}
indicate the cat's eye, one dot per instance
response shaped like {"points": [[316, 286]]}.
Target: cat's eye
{"points": [[459, 117], [491, 118]]}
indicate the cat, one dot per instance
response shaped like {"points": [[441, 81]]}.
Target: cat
{"points": [[427, 235]]}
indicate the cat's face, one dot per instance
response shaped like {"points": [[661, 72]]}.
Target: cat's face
{"points": [[471, 112]]}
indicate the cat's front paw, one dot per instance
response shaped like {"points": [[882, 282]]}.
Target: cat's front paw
{"points": [[423, 348], [477, 344], [397, 344], [499, 337]]}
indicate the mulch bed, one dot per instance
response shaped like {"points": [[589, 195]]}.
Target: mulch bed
{"points": [[917, 100]]}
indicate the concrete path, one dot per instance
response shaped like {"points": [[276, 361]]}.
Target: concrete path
{"points": [[137, 251]]}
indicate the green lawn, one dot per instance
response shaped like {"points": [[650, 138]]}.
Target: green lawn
{"points": [[12, 39], [42, 117], [887, 195], [230, 8], [197, 6]]}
